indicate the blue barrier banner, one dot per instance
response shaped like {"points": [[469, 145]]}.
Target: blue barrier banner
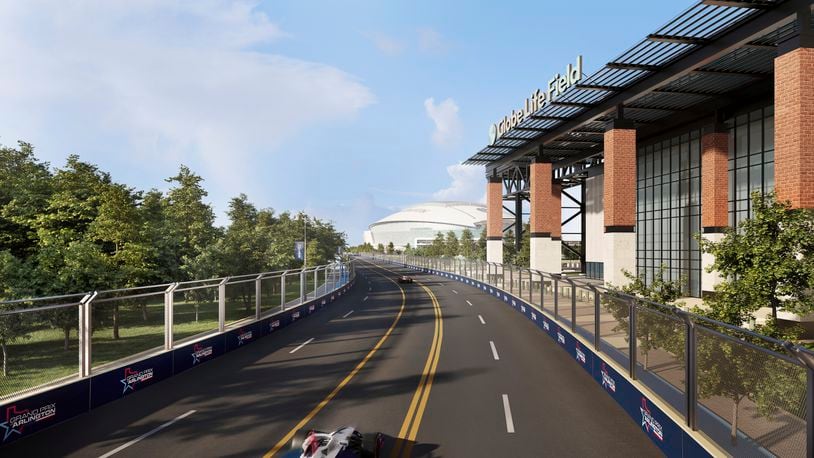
{"points": [[198, 353], [27, 416], [126, 380], [244, 335]]}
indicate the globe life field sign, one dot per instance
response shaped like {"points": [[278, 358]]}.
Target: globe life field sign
{"points": [[556, 86]]}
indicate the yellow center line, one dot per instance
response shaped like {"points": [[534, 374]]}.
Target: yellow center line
{"points": [[287, 438]]}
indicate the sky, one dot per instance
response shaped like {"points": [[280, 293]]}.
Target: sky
{"points": [[348, 110]]}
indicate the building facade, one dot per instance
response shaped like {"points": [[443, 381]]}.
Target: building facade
{"points": [[667, 142]]}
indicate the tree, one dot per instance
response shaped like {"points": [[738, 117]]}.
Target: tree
{"points": [[380, 248], [12, 327], [509, 250], [438, 246], [468, 247], [391, 248], [523, 257], [766, 261], [480, 252], [451, 245]]}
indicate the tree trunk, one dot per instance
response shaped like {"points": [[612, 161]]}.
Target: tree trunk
{"points": [[5, 360], [67, 332], [116, 322], [733, 434]]}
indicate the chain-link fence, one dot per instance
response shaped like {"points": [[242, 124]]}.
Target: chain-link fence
{"points": [[45, 341], [747, 393]]}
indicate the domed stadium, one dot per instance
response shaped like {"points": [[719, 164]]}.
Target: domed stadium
{"points": [[418, 225]]}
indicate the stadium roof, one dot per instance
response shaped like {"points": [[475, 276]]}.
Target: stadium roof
{"points": [[710, 53]]}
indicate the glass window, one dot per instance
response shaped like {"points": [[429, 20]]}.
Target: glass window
{"points": [[752, 169]]}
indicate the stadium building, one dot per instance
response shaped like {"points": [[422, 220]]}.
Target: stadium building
{"points": [[419, 224], [664, 142]]}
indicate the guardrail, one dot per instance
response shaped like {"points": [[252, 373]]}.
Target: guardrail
{"points": [[49, 341], [747, 393]]}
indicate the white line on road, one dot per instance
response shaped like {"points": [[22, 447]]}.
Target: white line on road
{"points": [[302, 345], [508, 411], [346, 315], [147, 434], [364, 299], [494, 351], [481, 319], [456, 292], [470, 304]]}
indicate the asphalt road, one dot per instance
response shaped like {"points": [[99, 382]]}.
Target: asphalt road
{"points": [[413, 361]]}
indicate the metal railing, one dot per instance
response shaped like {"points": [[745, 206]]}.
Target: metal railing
{"points": [[50, 340], [750, 394]]}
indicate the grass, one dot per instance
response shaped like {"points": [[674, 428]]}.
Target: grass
{"points": [[42, 358]]}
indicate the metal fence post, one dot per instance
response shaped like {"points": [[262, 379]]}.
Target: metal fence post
{"points": [[316, 281], [542, 290], [282, 290], [690, 369], [555, 293], [597, 331], [222, 304], [258, 289], [632, 342], [302, 285], [573, 305], [84, 333], [511, 279], [326, 280], [169, 315]]}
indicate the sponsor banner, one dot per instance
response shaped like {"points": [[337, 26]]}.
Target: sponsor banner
{"points": [[26, 416], [126, 380], [244, 335], [198, 353], [584, 357]]}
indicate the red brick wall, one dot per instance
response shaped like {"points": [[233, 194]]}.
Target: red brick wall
{"points": [[555, 215], [540, 195], [714, 179], [794, 127], [494, 209], [620, 177]]}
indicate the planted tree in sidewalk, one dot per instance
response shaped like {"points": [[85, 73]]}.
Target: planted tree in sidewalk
{"points": [[391, 248], [438, 245], [657, 327], [13, 327], [481, 246], [451, 245], [468, 248], [509, 248], [523, 257], [768, 261]]}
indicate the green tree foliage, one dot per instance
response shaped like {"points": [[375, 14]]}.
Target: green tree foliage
{"points": [[391, 248], [523, 257], [451, 245], [767, 262], [438, 246], [468, 248], [480, 252], [509, 249]]}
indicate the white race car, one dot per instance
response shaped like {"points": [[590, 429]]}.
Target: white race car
{"points": [[345, 442]]}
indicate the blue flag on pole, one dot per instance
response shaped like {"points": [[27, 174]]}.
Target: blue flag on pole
{"points": [[299, 250]]}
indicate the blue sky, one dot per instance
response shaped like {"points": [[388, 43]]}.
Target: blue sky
{"points": [[349, 110]]}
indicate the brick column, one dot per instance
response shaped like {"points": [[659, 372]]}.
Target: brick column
{"points": [[494, 220], [620, 201], [714, 197], [794, 127], [545, 210]]}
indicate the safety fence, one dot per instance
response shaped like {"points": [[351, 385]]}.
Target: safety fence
{"points": [[749, 394], [50, 341]]}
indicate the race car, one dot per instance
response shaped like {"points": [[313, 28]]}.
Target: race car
{"points": [[345, 442], [405, 279]]}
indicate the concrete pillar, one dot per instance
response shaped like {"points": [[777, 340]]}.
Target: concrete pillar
{"points": [[794, 126], [494, 220], [714, 197], [620, 201], [544, 222]]}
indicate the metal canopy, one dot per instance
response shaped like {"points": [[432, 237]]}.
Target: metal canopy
{"points": [[713, 48]]}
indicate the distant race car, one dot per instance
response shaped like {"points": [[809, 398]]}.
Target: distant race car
{"points": [[405, 279], [345, 442]]}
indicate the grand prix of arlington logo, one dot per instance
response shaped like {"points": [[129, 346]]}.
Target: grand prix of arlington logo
{"points": [[580, 355], [649, 423], [607, 381], [16, 420], [243, 337], [198, 352], [545, 325], [311, 308], [295, 315], [560, 337], [274, 325], [133, 377]]}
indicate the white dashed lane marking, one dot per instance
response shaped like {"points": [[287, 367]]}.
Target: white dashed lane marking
{"points": [[507, 410], [302, 345], [346, 315], [481, 320], [494, 351]]}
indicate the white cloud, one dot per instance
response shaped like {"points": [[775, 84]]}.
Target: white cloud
{"points": [[387, 45], [430, 41], [468, 184], [448, 127], [162, 82]]}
